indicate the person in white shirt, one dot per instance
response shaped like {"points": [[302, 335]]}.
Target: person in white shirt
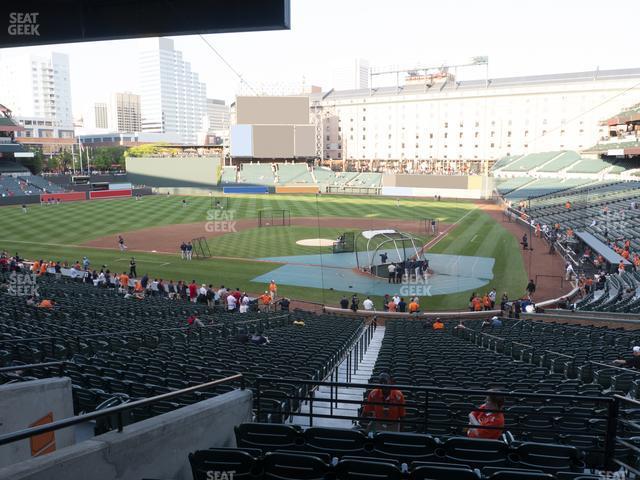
{"points": [[368, 304], [492, 297], [396, 299], [202, 290], [231, 303], [244, 304]]}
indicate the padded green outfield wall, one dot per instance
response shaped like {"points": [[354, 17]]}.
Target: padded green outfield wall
{"points": [[182, 171]]}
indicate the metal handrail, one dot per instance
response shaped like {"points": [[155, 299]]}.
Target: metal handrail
{"points": [[117, 410]]}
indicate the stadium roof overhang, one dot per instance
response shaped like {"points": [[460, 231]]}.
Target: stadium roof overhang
{"points": [[42, 22]]}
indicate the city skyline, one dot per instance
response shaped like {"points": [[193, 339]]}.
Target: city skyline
{"points": [[517, 40]]}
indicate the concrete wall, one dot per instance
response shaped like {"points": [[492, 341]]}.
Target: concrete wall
{"points": [[154, 448], [22, 404], [178, 171], [447, 186]]}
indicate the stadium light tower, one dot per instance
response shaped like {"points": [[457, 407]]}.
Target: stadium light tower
{"points": [[429, 72]]}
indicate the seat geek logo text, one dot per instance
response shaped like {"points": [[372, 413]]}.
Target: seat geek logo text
{"points": [[24, 24]]}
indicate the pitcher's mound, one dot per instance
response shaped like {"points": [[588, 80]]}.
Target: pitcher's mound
{"points": [[315, 242]]}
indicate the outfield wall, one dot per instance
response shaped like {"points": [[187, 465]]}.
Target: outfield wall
{"points": [[199, 172], [448, 186]]}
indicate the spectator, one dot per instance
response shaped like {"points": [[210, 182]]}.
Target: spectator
{"points": [[490, 416], [503, 301], [284, 304], [193, 291], [402, 305], [265, 301], [48, 304], [202, 294], [385, 302], [385, 405], [438, 325], [273, 290], [492, 298], [392, 273], [244, 303], [633, 361], [231, 303], [355, 302], [368, 304], [259, 339], [194, 321], [344, 303], [414, 306]]}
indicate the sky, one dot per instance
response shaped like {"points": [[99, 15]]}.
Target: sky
{"points": [[520, 38]]}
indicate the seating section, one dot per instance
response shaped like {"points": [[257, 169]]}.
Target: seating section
{"points": [[131, 349], [289, 453], [506, 186], [229, 175], [588, 165], [42, 185], [289, 173], [256, 174], [366, 179], [561, 162], [503, 162], [530, 161], [9, 166], [545, 186]]}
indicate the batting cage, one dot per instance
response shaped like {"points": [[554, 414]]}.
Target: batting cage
{"points": [[430, 226], [272, 217], [200, 248], [220, 203], [346, 242]]}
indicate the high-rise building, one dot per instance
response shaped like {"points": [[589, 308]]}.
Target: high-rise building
{"points": [[37, 86], [173, 100], [125, 112], [217, 115], [101, 115], [351, 76]]}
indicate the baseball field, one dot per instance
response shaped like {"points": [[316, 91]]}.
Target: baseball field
{"points": [[471, 252]]}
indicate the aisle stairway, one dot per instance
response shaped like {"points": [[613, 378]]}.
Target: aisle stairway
{"points": [[361, 375]]}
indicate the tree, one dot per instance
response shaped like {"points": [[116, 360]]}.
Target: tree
{"points": [[103, 158], [35, 163], [150, 150]]}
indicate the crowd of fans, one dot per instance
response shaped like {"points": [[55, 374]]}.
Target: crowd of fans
{"points": [[139, 288]]}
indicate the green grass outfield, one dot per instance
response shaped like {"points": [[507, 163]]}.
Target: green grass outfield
{"points": [[55, 232]]}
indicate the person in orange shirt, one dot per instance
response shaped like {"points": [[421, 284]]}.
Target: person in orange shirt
{"points": [[625, 254], [388, 414], [265, 301], [414, 307], [124, 281], [273, 289], [35, 268], [138, 287], [488, 415], [621, 267], [477, 304], [392, 306], [567, 205], [43, 268], [46, 304], [486, 301], [438, 325]]}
